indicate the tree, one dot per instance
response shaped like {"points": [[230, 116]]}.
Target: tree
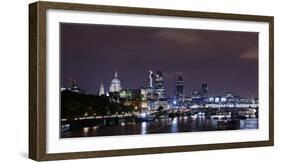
{"points": [[76, 105]]}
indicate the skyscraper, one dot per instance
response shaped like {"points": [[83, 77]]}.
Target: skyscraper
{"points": [[150, 79], [195, 94], [204, 90], [159, 85], [150, 87], [179, 91]]}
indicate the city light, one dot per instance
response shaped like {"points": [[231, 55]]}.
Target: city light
{"points": [[143, 115], [86, 129], [149, 83], [152, 104]]}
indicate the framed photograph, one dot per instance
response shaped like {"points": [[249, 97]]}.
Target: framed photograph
{"points": [[112, 81]]}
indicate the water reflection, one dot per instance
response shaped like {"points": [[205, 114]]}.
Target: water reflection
{"points": [[250, 123], [174, 127], [85, 131], [177, 124], [143, 127]]}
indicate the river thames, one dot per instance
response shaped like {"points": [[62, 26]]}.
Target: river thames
{"points": [[168, 125]]}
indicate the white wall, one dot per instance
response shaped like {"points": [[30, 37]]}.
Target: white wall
{"points": [[14, 79]]}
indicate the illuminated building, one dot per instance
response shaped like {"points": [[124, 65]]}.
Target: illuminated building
{"points": [[211, 99], [131, 97], [149, 90], [179, 91], [114, 97], [150, 79], [144, 99], [217, 99], [159, 85], [230, 97], [223, 99], [153, 96], [101, 92], [204, 91], [144, 94], [161, 102], [114, 89], [73, 86], [126, 96], [195, 94], [115, 85], [201, 96]]}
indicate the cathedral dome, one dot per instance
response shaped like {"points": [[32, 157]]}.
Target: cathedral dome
{"points": [[115, 84], [115, 81]]}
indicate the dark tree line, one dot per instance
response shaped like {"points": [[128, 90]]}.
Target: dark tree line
{"points": [[77, 105]]}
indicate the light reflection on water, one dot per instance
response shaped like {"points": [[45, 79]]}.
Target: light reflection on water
{"points": [[174, 127], [143, 127], [178, 124], [249, 123]]}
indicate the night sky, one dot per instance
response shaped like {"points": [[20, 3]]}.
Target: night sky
{"points": [[227, 61]]}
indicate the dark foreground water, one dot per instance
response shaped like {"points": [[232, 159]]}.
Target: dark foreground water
{"points": [[179, 124]]}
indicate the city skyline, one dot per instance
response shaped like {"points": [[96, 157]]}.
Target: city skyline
{"points": [[88, 60], [179, 88]]}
